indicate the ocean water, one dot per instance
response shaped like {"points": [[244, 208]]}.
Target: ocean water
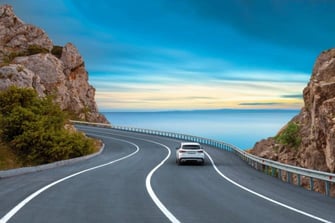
{"points": [[242, 128]]}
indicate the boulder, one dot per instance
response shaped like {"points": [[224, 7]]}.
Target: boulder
{"points": [[27, 60]]}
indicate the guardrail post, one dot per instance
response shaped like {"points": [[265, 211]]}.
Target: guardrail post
{"points": [[288, 180], [327, 185], [299, 180], [272, 171], [311, 183], [279, 174]]}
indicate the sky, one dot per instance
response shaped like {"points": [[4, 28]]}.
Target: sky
{"points": [[157, 55]]}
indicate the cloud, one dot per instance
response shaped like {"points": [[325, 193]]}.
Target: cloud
{"points": [[190, 54], [188, 26], [262, 75], [298, 96], [261, 103], [193, 94], [116, 32], [284, 22]]}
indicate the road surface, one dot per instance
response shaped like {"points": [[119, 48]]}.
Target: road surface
{"points": [[136, 179]]}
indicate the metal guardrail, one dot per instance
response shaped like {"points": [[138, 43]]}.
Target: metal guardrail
{"points": [[273, 168]]}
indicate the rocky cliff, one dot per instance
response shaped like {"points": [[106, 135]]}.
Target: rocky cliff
{"points": [[312, 132], [28, 58]]}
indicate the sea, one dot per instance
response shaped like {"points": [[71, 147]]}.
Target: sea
{"points": [[242, 128]]}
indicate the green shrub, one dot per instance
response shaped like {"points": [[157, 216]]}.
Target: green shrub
{"points": [[8, 159], [35, 49], [31, 50], [34, 128], [8, 58], [290, 136]]}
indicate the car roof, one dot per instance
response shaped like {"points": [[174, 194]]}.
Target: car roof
{"points": [[190, 143]]}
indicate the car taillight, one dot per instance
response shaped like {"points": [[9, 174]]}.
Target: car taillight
{"points": [[182, 151], [200, 151]]}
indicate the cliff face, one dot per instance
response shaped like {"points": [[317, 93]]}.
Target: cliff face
{"points": [[315, 124], [28, 58]]}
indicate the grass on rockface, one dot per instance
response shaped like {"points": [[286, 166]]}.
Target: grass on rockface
{"points": [[31, 50]]}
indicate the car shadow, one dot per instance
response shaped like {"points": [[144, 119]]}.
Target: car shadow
{"points": [[192, 163]]}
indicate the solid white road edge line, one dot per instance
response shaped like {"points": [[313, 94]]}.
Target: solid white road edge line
{"points": [[262, 196], [151, 192], [14, 210]]}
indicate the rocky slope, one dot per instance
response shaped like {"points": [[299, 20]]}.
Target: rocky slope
{"points": [[28, 58], [314, 147]]}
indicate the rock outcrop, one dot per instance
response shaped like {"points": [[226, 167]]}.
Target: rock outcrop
{"points": [[28, 58], [316, 124]]}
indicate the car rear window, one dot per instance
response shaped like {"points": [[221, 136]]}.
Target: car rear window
{"points": [[191, 147]]}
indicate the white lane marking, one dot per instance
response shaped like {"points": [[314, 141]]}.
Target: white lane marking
{"points": [[238, 185], [151, 192], [262, 196], [14, 210]]}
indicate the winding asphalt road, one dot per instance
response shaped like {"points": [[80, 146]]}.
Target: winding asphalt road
{"points": [[135, 179]]}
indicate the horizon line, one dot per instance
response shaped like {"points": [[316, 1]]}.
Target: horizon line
{"points": [[201, 110]]}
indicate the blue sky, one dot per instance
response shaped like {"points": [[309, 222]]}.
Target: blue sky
{"points": [[190, 54]]}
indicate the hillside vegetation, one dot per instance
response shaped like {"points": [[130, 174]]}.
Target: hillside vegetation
{"points": [[33, 130]]}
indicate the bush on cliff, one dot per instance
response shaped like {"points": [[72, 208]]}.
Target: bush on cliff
{"points": [[33, 127], [290, 136]]}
